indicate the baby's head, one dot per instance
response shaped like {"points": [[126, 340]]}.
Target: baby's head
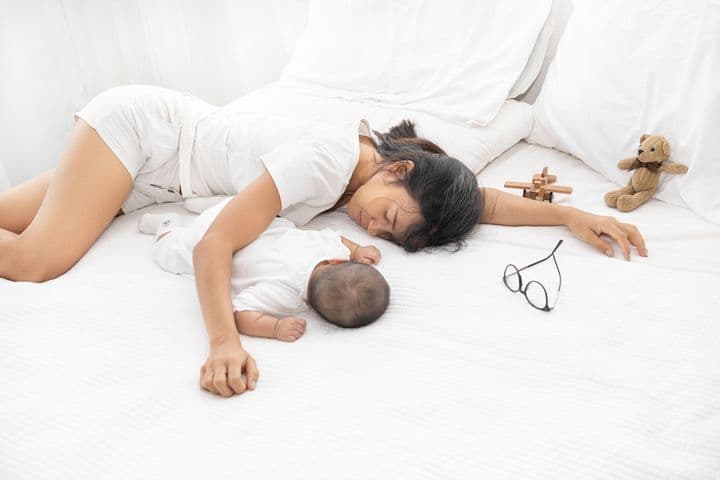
{"points": [[348, 294]]}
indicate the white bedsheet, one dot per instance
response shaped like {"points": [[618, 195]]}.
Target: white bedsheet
{"points": [[460, 380]]}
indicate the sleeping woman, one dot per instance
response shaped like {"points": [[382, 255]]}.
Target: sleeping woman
{"points": [[135, 146]]}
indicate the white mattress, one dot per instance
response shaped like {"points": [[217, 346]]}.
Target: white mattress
{"points": [[461, 379]]}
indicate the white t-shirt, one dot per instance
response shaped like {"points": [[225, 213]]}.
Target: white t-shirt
{"points": [[271, 274], [310, 162]]}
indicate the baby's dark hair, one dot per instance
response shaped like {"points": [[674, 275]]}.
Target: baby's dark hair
{"points": [[446, 189], [349, 294]]}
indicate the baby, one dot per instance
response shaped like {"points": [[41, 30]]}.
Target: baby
{"points": [[284, 272]]}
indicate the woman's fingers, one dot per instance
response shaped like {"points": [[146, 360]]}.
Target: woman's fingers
{"points": [[251, 372], [624, 234], [597, 241], [235, 379], [620, 237], [220, 381], [222, 372], [206, 379], [592, 228], [635, 238]]}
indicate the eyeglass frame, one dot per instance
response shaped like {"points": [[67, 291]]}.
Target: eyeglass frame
{"points": [[547, 306]]}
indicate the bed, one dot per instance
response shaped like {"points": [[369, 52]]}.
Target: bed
{"points": [[460, 379]]}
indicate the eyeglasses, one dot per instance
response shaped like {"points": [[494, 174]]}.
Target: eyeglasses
{"points": [[534, 291]]}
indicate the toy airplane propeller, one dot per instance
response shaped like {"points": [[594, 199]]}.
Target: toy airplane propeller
{"points": [[541, 188]]}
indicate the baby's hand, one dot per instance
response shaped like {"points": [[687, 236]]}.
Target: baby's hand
{"points": [[289, 329], [367, 254]]}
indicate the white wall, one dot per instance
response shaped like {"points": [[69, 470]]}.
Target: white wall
{"points": [[55, 55], [4, 178]]}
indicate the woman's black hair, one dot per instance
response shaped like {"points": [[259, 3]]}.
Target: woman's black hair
{"points": [[446, 189]]}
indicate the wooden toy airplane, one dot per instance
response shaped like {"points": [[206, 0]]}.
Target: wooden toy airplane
{"points": [[541, 187]]}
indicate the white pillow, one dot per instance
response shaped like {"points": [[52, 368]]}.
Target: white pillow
{"points": [[537, 58], [475, 147], [623, 69], [456, 59]]}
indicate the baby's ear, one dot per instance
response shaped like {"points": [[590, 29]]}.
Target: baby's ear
{"points": [[643, 137]]}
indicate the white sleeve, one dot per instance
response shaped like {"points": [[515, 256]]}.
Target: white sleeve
{"points": [[305, 172], [266, 297]]}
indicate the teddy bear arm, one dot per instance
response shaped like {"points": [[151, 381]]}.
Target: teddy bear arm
{"points": [[627, 163], [673, 167]]}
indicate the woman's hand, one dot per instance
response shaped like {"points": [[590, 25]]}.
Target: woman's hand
{"points": [[222, 372], [589, 228], [367, 254]]}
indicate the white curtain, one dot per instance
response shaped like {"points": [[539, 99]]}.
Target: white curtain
{"points": [[55, 55]]}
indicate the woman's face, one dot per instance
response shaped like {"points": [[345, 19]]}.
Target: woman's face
{"points": [[383, 208]]}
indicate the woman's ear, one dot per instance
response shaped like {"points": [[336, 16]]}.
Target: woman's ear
{"points": [[400, 169]]}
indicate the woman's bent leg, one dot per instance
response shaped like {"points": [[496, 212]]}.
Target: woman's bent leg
{"points": [[83, 196], [19, 204]]}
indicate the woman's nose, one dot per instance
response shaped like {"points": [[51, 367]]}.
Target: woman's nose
{"points": [[372, 227]]}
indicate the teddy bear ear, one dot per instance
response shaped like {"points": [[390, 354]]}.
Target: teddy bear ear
{"points": [[643, 138], [666, 148]]}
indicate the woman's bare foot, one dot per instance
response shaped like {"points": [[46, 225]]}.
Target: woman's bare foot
{"points": [[290, 329]]}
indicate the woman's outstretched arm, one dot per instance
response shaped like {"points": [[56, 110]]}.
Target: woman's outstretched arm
{"points": [[240, 222], [500, 208]]}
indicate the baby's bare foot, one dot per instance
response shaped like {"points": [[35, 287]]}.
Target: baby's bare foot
{"points": [[290, 329]]}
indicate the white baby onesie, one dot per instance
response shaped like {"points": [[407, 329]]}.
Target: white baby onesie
{"points": [[269, 275]]}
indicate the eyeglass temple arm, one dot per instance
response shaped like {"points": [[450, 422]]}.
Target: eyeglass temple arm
{"points": [[559, 284], [540, 261]]}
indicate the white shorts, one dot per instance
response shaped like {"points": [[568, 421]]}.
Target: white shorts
{"points": [[142, 126]]}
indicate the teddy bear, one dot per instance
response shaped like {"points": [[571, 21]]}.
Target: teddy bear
{"points": [[649, 163]]}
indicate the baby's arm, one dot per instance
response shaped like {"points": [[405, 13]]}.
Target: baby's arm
{"points": [[258, 324], [367, 254]]}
